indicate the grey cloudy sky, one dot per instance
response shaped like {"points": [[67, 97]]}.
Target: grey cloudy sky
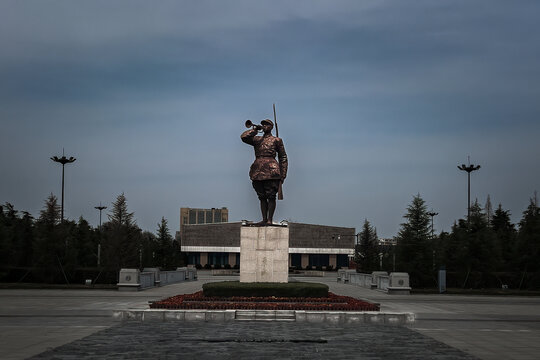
{"points": [[376, 101]]}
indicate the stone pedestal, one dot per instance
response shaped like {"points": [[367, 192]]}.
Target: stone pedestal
{"points": [[264, 254], [129, 280]]}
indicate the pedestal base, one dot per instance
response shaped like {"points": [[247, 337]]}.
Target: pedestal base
{"points": [[264, 254]]}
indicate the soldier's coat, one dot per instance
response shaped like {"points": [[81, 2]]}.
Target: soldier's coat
{"points": [[265, 166]]}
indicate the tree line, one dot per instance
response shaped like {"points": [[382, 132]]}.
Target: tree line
{"points": [[49, 250], [484, 251]]}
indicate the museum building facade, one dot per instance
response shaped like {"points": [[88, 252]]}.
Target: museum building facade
{"points": [[309, 245]]}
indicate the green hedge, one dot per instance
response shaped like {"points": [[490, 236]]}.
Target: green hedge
{"points": [[235, 288]]}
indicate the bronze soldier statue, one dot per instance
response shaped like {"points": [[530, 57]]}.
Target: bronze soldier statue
{"points": [[266, 173]]}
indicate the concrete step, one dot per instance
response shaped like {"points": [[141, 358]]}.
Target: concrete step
{"points": [[371, 317], [265, 315]]}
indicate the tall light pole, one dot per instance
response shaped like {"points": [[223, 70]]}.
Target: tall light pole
{"points": [[432, 214], [100, 208], [357, 245], [469, 168], [63, 160]]}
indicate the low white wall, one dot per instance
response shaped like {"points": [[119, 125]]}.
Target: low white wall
{"points": [[147, 280], [171, 277], [383, 281], [361, 279], [152, 277]]}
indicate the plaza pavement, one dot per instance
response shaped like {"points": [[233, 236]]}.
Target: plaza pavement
{"points": [[65, 324]]}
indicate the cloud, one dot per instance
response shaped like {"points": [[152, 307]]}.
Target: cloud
{"points": [[376, 101]]}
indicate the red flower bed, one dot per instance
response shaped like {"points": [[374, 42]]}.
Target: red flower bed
{"points": [[198, 301]]}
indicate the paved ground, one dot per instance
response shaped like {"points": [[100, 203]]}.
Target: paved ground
{"points": [[255, 340], [35, 321]]}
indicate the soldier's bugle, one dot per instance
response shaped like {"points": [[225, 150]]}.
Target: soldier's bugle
{"points": [[249, 124]]}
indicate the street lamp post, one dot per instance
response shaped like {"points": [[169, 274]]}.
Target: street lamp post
{"points": [[469, 168], [357, 242], [63, 160], [100, 208], [432, 214]]}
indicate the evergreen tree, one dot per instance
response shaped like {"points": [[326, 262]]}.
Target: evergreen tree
{"points": [[441, 246], [49, 243], [505, 236], [23, 248], [366, 254], [457, 247], [121, 237], [120, 215], [414, 248], [484, 255], [16, 234], [7, 234], [164, 251], [148, 250], [178, 258], [86, 242], [20, 239], [50, 215], [528, 240]]}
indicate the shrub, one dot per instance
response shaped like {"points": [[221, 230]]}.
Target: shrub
{"points": [[227, 266], [319, 268], [309, 267], [198, 266], [217, 266], [207, 266], [236, 266], [235, 288], [329, 268]]}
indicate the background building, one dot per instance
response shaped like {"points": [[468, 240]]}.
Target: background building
{"points": [[203, 216], [390, 241], [309, 245]]}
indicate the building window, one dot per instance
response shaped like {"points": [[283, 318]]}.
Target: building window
{"points": [[217, 216], [218, 258], [319, 259], [200, 217], [194, 258], [296, 260], [192, 216], [342, 260], [208, 217]]}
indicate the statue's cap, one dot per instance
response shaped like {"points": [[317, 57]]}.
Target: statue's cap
{"points": [[268, 121]]}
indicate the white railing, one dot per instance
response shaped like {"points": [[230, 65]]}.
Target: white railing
{"points": [[393, 283], [344, 275], [361, 279], [146, 280], [191, 274], [171, 277], [383, 281], [133, 279]]}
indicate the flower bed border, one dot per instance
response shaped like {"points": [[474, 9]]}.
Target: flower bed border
{"points": [[198, 301]]}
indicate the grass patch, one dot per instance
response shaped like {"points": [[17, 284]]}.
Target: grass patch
{"points": [[236, 288]]}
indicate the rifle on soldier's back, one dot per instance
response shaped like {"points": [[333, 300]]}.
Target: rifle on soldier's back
{"points": [[280, 189]]}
